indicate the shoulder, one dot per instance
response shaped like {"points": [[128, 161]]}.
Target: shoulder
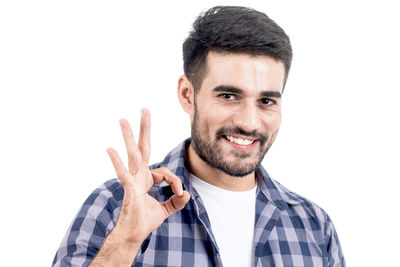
{"points": [[302, 206], [309, 216], [95, 219], [303, 220], [111, 189], [102, 205]]}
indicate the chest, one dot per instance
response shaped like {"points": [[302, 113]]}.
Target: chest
{"points": [[186, 239]]}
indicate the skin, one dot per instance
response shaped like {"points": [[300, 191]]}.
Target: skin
{"points": [[254, 107], [248, 109]]}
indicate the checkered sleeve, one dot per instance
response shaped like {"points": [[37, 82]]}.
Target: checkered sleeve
{"points": [[335, 253], [94, 221]]}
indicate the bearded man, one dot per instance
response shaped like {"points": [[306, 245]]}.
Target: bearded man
{"points": [[210, 202]]}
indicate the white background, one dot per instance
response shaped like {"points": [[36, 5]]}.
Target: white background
{"points": [[69, 70]]}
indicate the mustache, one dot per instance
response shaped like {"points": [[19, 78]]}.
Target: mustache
{"points": [[237, 130]]}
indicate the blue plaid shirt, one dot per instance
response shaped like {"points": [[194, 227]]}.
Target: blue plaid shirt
{"points": [[289, 229]]}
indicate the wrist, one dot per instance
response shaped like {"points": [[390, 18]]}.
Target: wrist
{"points": [[122, 242], [117, 250]]}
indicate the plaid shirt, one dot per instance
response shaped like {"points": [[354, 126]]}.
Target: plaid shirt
{"points": [[289, 229]]}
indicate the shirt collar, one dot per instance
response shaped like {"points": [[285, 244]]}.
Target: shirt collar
{"points": [[281, 197]]}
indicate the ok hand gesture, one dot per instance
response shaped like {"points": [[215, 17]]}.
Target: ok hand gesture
{"points": [[140, 213]]}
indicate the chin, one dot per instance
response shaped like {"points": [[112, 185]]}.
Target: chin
{"points": [[237, 167], [239, 172]]}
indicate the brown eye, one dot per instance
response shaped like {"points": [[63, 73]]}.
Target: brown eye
{"points": [[267, 101], [227, 96]]}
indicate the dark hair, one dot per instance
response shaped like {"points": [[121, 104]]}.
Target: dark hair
{"points": [[233, 29]]}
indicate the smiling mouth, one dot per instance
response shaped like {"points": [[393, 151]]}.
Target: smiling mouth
{"points": [[238, 140]]}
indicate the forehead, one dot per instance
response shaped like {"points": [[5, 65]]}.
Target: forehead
{"points": [[249, 73]]}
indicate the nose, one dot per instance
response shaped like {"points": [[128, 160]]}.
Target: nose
{"points": [[247, 117]]}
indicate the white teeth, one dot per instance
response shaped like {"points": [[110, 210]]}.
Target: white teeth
{"points": [[239, 141]]}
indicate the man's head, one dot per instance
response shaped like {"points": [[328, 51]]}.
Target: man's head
{"points": [[233, 29], [236, 65]]}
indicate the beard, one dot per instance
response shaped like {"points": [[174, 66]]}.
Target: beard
{"points": [[211, 152]]}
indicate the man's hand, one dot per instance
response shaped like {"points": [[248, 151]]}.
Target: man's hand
{"points": [[140, 213]]}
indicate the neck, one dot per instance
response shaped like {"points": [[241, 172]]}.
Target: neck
{"points": [[205, 172]]}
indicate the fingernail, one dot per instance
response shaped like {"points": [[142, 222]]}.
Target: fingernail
{"points": [[122, 123]]}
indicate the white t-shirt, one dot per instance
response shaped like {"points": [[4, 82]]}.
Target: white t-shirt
{"points": [[232, 216]]}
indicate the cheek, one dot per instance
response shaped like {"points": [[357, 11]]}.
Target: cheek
{"points": [[272, 125], [213, 118], [272, 122]]}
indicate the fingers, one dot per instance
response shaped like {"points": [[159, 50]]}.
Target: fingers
{"points": [[144, 136], [134, 158], [163, 174], [118, 165], [179, 200], [176, 203]]}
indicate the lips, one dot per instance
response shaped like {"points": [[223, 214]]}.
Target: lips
{"points": [[241, 143], [239, 140]]}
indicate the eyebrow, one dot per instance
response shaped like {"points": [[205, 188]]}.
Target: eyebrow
{"points": [[274, 94], [231, 89]]}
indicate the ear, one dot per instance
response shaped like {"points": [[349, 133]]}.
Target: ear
{"points": [[186, 94]]}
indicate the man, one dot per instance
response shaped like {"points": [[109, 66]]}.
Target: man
{"points": [[210, 202]]}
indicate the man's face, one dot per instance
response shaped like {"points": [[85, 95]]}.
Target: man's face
{"points": [[237, 111]]}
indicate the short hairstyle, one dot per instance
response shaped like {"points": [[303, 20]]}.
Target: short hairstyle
{"points": [[237, 30]]}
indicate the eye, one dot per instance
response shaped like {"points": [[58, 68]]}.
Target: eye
{"points": [[267, 101], [227, 96]]}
